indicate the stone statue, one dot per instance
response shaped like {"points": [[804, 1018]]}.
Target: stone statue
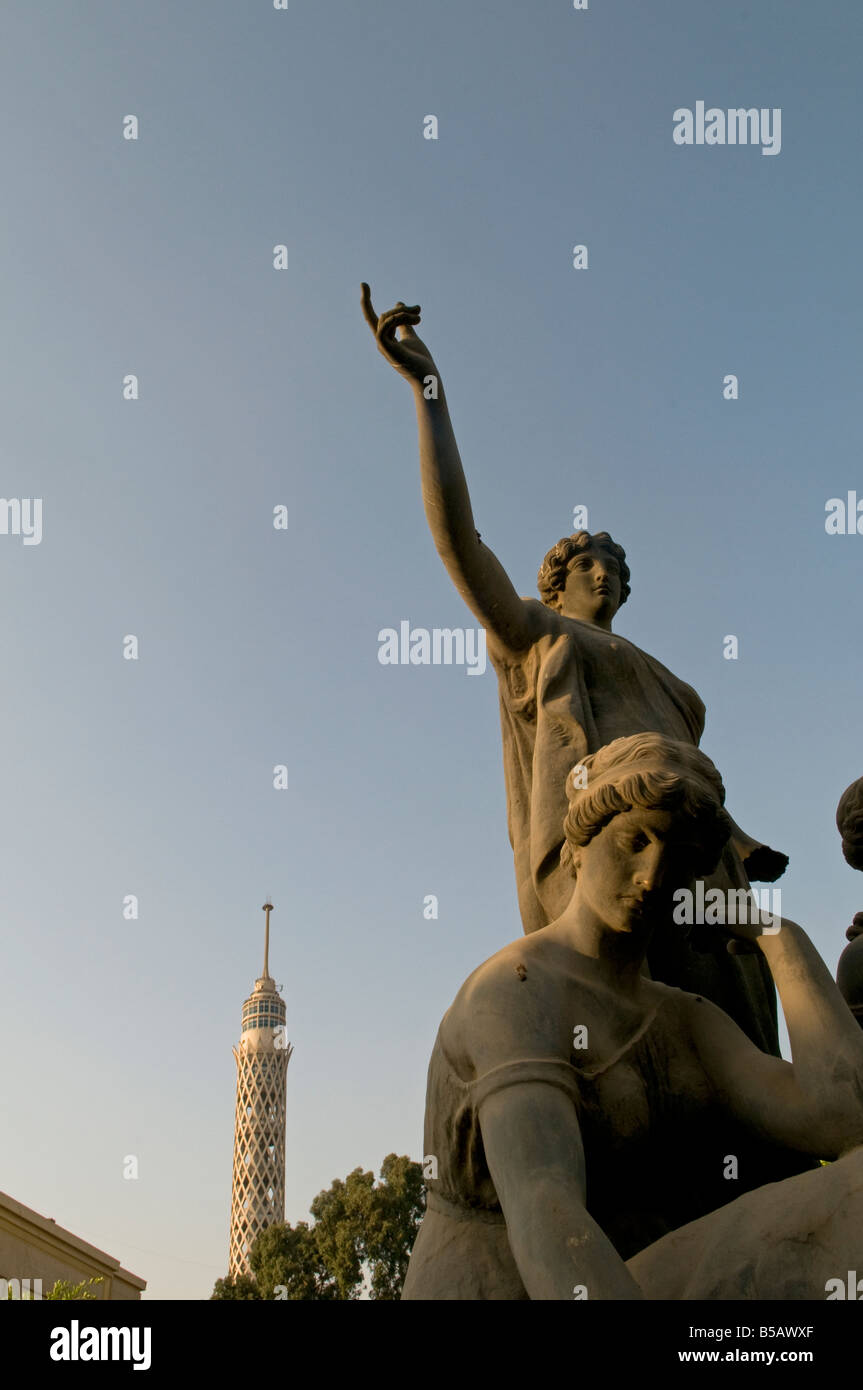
{"points": [[849, 975], [585, 1121], [568, 686]]}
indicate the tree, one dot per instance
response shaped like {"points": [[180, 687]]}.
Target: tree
{"points": [[363, 1226], [360, 1242], [236, 1286], [288, 1264], [400, 1210]]}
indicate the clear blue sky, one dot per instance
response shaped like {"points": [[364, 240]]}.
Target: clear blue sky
{"points": [[259, 647]]}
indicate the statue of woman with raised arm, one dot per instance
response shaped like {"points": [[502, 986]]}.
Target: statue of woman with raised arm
{"points": [[589, 1124], [568, 686]]}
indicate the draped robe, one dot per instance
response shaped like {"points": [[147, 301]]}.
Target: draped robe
{"points": [[575, 689]]}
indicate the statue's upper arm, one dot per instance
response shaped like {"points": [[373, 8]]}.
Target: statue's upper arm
{"points": [[513, 623], [530, 1131], [761, 1091]]}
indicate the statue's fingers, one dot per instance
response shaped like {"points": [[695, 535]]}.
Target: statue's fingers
{"points": [[408, 311], [368, 312], [396, 318]]}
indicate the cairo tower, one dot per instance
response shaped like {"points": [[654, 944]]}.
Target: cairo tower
{"points": [[258, 1189]]}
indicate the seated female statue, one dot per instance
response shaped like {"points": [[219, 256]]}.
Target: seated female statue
{"points": [[581, 1115]]}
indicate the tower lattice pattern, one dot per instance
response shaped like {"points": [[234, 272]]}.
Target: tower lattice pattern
{"points": [[258, 1187], [258, 1191]]}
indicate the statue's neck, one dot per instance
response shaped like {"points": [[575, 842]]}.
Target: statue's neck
{"points": [[602, 624]]}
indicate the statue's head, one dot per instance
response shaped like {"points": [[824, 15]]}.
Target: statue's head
{"points": [[585, 576], [646, 817], [849, 819]]}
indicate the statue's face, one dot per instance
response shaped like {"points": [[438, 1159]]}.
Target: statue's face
{"points": [[629, 872], [592, 591]]}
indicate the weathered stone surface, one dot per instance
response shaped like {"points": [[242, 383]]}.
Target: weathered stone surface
{"points": [[580, 1113], [849, 820], [568, 686], [785, 1241], [849, 973]]}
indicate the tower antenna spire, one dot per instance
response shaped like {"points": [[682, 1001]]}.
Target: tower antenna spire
{"points": [[268, 907]]}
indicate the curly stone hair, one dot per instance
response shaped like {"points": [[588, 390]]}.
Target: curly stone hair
{"points": [[551, 579], [653, 773], [849, 819]]}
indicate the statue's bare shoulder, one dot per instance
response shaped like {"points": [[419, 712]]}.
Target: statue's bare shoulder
{"points": [[517, 1004]]}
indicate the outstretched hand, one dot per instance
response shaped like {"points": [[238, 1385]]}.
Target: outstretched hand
{"points": [[407, 353]]}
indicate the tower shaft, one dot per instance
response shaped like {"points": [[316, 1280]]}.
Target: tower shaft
{"points": [[262, 1056]]}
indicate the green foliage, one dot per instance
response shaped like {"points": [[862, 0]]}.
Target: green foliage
{"points": [[64, 1290], [239, 1286], [288, 1264], [361, 1239], [386, 1223]]}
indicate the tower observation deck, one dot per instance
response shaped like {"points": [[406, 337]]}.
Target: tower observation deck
{"points": [[262, 1056]]}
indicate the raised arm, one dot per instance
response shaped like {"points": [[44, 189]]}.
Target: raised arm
{"points": [[474, 569], [814, 1103]]}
